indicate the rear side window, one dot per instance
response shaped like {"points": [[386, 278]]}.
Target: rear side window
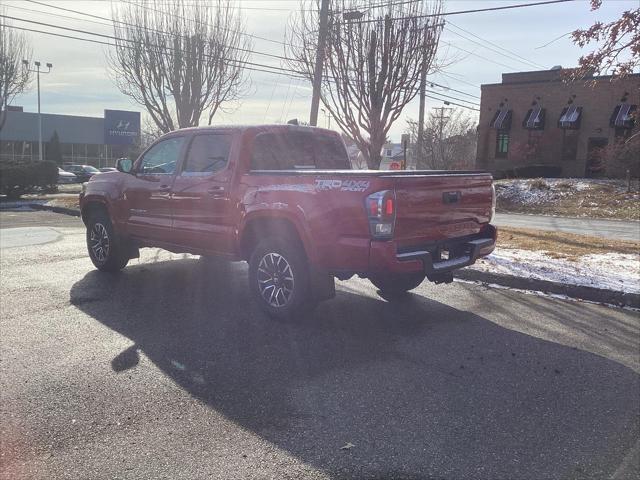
{"points": [[208, 153], [330, 153], [298, 151]]}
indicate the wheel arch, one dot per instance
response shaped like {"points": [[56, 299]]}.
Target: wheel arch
{"points": [[91, 206], [257, 227]]}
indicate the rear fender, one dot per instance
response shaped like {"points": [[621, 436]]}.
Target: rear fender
{"points": [[268, 215]]}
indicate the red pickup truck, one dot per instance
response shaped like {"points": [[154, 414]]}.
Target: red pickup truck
{"points": [[283, 198]]}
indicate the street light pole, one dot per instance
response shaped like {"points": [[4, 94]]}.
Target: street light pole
{"points": [[37, 72]]}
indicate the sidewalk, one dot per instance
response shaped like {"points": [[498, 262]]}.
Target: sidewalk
{"points": [[615, 229]]}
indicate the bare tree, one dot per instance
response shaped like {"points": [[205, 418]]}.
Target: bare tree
{"points": [[179, 59], [372, 64], [618, 45], [14, 77], [449, 142]]}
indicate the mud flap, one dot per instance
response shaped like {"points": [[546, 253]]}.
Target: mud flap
{"points": [[131, 249], [323, 285]]}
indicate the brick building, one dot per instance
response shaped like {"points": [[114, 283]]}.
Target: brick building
{"points": [[536, 118]]}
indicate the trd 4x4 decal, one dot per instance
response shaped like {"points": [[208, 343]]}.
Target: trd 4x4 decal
{"points": [[343, 185]]}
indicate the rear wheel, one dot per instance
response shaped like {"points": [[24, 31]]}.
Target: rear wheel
{"points": [[107, 252], [397, 285], [279, 278]]}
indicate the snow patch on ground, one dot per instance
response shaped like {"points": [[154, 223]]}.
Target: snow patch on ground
{"points": [[549, 190], [611, 271]]}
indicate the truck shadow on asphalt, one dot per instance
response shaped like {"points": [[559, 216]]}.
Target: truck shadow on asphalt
{"points": [[419, 388]]}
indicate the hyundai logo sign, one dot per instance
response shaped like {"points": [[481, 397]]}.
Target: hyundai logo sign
{"points": [[121, 127]]}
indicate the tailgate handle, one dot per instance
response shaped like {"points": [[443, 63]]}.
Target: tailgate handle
{"points": [[451, 197]]}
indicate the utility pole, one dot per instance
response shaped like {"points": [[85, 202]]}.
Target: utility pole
{"points": [[317, 71], [440, 128], [420, 163], [38, 72], [420, 160]]}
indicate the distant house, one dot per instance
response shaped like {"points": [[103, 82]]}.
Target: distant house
{"points": [[537, 118], [392, 153]]}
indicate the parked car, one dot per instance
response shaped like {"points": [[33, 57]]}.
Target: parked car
{"points": [[108, 169], [83, 172], [65, 177], [283, 198]]}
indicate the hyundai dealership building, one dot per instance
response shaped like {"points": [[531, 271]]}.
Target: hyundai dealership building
{"points": [[83, 140]]}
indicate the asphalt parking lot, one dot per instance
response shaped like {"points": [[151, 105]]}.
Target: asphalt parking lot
{"points": [[167, 370]]}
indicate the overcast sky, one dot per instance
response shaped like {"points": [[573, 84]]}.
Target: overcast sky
{"points": [[79, 83]]}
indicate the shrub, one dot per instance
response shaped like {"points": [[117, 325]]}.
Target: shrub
{"points": [[18, 179], [539, 184]]}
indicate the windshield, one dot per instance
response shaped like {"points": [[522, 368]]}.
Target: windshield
{"points": [[89, 168]]}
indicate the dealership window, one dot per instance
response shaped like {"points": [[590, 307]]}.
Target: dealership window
{"points": [[502, 143]]}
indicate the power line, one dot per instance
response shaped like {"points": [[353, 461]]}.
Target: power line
{"points": [[453, 103], [462, 12], [452, 89], [514, 54], [251, 66], [251, 51], [454, 98], [479, 56], [272, 55], [287, 72], [205, 23], [499, 50], [455, 78]]}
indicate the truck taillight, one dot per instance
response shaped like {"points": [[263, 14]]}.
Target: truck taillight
{"points": [[381, 209]]}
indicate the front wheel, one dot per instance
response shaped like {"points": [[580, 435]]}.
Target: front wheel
{"points": [[105, 250], [279, 278], [397, 285]]}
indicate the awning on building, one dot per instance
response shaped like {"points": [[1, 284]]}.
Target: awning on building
{"points": [[534, 119], [623, 116], [570, 117], [501, 120]]}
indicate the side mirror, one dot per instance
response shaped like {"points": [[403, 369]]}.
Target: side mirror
{"points": [[124, 165]]}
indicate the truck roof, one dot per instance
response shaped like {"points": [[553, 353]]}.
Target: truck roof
{"points": [[273, 127]]}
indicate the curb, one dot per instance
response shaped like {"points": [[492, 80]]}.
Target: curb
{"points": [[591, 294], [66, 211]]}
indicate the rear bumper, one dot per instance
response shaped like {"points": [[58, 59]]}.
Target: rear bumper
{"points": [[384, 256]]}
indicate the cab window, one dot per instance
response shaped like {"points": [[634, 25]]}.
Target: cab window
{"points": [[298, 150], [163, 157], [207, 154]]}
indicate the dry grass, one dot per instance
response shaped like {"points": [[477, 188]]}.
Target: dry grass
{"points": [[66, 202], [606, 200], [562, 245]]}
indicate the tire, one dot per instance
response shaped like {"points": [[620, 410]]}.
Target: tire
{"points": [[279, 278], [107, 252], [397, 285]]}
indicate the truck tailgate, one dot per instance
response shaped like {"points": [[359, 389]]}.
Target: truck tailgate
{"points": [[432, 208]]}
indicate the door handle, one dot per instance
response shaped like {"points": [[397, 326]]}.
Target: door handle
{"points": [[164, 188], [215, 190]]}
